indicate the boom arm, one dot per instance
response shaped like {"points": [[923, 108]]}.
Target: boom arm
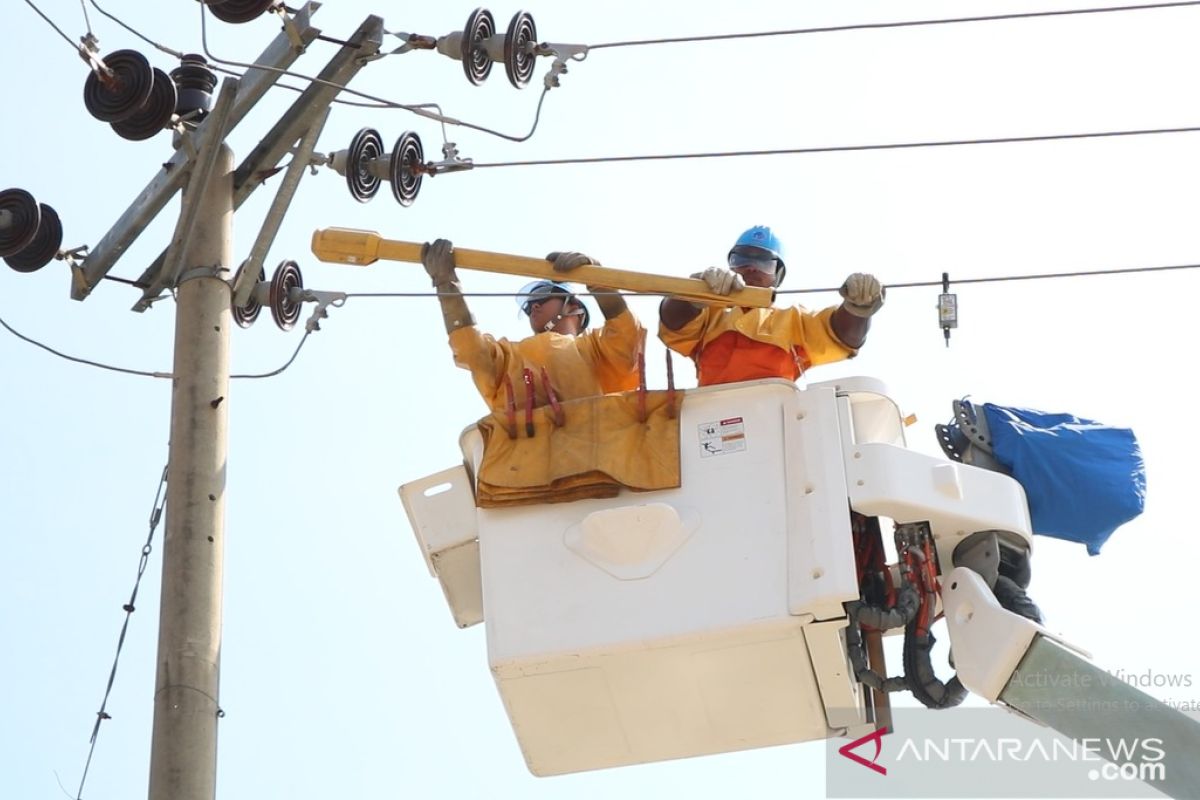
{"points": [[1008, 659]]}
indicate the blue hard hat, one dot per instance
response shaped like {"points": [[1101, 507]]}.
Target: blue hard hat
{"points": [[535, 290], [761, 238]]}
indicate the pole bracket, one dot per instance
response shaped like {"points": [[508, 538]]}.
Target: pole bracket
{"points": [[214, 271]]}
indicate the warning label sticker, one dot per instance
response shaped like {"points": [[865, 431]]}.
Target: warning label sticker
{"points": [[722, 437]]}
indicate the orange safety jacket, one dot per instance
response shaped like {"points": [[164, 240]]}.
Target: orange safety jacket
{"points": [[742, 344]]}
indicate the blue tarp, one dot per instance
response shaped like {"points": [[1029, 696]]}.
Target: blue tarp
{"points": [[1083, 479]]}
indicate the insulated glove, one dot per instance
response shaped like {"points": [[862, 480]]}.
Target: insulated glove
{"points": [[565, 261], [863, 294], [438, 259], [720, 280]]}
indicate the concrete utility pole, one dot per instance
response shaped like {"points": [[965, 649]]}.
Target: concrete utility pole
{"points": [[197, 264], [183, 756]]}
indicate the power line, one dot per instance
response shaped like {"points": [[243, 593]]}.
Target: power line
{"points": [[885, 25], [837, 148], [420, 109], [384, 103], [146, 39], [1032, 276], [87, 22], [139, 372], [275, 372], [1036, 276], [50, 22], [78, 360], [426, 294]]}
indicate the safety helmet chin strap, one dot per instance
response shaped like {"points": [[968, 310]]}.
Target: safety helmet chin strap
{"points": [[577, 312]]}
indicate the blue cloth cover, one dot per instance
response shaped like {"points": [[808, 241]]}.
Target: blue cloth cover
{"points": [[1083, 479]]}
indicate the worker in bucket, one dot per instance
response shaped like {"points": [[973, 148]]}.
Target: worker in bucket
{"points": [[741, 344], [562, 356]]}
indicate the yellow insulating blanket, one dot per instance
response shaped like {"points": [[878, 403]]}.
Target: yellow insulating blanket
{"points": [[600, 448]]}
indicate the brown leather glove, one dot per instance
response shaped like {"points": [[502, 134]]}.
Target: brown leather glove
{"points": [[566, 260], [438, 259]]}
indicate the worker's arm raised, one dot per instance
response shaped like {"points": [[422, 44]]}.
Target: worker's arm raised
{"points": [[675, 312], [438, 259], [862, 296], [611, 303]]}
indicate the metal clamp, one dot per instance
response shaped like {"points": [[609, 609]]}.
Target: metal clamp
{"points": [[323, 301], [411, 41], [449, 163], [562, 54], [89, 51], [73, 256]]}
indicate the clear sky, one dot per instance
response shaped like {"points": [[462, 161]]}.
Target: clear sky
{"points": [[342, 673]]}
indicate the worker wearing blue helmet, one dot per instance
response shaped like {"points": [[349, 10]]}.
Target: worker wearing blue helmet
{"points": [[739, 344], [578, 362]]}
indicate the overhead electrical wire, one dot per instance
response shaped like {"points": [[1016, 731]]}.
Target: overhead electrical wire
{"points": [[420, 109], [863, 26], [79, 360], [837, 148], [379, 102], [274, 372], [383, 102], [130, 28], [1032, 276], [728, 36], [1036, 276], [50, 22], [395, 295], [87, 21], [140, 372]]}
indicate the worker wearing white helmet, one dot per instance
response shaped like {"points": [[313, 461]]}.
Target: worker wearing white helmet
{"points": [[740, 344], [578, 362]]}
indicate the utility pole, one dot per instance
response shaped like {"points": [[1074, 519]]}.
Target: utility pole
{"points": [[183, 756], [198, 266]]}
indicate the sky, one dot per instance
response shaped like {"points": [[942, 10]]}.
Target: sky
{"points": [[342, 673]]}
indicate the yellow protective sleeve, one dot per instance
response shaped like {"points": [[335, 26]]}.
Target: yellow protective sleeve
{"points": [[601, 448]]}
